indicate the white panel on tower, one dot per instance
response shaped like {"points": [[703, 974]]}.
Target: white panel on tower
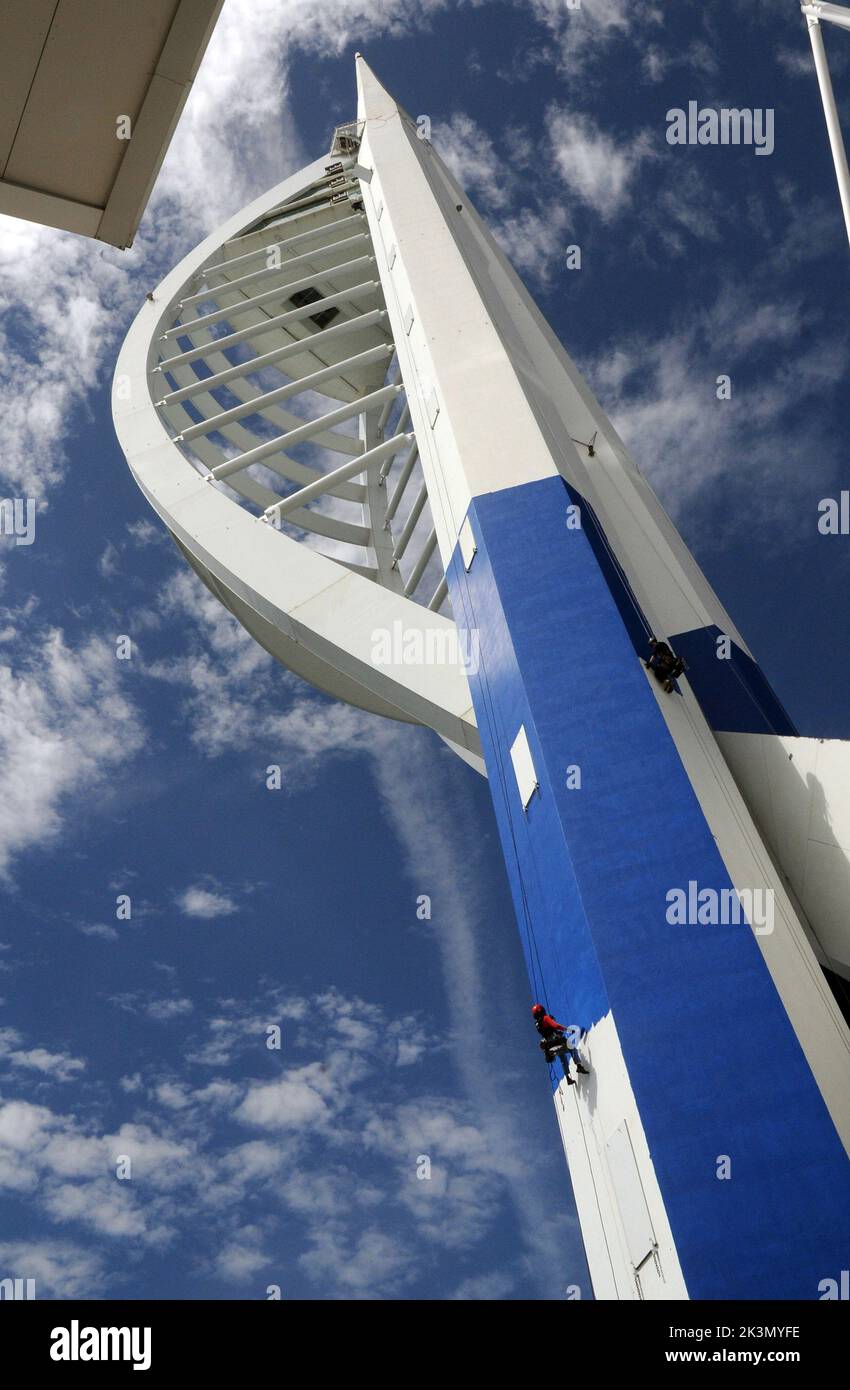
{"points": [[631, 1200], [526, 776], [466, 541]]}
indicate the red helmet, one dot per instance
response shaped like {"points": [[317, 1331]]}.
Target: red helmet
{"points": [[537, 1010]]}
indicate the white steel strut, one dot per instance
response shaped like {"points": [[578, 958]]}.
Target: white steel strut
{"points": [[840, 15]]}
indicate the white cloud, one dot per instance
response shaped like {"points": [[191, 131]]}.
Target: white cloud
{"points": [[109, 1211], [463, 1194], [72, 1153], [797, 62], [58, 1066], [337, 1151], [163, 1010], [242, 1258], [685, 206], [534, 241], [371, 1264], [158, 1160], [700, 452], [109, 563], [585, 33], [489, 1288], [698, 56], [62, 299], [234, 691], [60, 1268], [469, 152], [172, 1096], [159, 1008], [532, 236], [71, 1173], [22, 1124], [101, 929], [65, 722], [206, 903], [596, 167], [24, 1129], [290, 1103], [144, 533]]}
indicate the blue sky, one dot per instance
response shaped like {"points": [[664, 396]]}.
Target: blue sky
{"points": [[297, 908]]}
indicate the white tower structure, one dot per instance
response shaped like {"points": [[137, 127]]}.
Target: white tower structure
{"points": [[369, 444]]}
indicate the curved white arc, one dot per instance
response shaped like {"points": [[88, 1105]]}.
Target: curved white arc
{"points": [[326, 612], [317, 616]]}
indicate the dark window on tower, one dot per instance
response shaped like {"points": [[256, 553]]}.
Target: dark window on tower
{"points": [[309, 296], [841, 990]]}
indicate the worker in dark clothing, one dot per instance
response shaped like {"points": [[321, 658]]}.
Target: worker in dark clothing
{"points": [[554, 1042], [663, 664]]}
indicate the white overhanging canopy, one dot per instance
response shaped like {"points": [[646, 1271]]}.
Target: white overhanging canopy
{"points": [[76, 76]]}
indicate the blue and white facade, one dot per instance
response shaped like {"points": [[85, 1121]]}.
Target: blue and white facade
{"points": [[494, 505]]}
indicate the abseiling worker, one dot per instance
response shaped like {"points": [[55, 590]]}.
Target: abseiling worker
{"points": [[663, 664], [554, 1042]]}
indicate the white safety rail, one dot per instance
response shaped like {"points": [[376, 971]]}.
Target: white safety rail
{"points": [[276, 376]]}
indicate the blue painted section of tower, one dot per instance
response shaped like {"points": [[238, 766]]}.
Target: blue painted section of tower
{"points": [[713, 1061], [734, 694]]}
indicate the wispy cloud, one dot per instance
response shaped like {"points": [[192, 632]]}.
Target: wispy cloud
{"points": [[471, 155], [101, 929], [703, 453], [596, 167], [65, 721], [233, 691], [57, 1066], [161, 1008], [301, 1143], [583, 34], [529, 224], [60, 1268], [206, 902]]}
